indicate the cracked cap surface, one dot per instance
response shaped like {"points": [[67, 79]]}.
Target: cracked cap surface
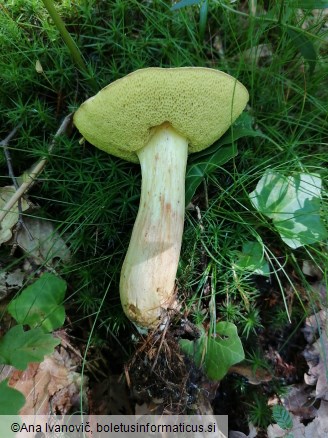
{"points": [[199, 103]]}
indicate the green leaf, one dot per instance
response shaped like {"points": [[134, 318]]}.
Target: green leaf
{"points": [[243, 127], [304, 46], [208, 160], [195, 349], [216, 352], [19, 348], [224, 349], [309, 4], [40, 303], [185, 3], [252, 259], [282, 417], [11, 400], [293, 204]]}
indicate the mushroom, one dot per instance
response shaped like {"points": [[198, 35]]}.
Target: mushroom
{"points": [[155, 116]]}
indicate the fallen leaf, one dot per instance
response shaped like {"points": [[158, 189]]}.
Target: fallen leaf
{"points": [[38, 66], [46, 245], [258, 53], [11, 218], [236, 434], [10, 282], [254, 377], [320, 287], [51, 386], [316, 353], [296, 401], [311, 270], [308, 421]]}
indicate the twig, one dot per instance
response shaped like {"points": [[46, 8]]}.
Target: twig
{"points": [[37, 169], [167, 323], [4, 144]]}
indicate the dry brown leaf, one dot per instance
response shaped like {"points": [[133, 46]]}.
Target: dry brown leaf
{"points": [[218, 45], [10, 281], [320, 288], [52, 386], [297, 402], [236, 434], [12, 216], [316, 353], [258, 53], [311, 270], [46, 244], [254, 377]]}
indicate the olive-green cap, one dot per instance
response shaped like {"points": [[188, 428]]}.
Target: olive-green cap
{"points": [[199, 103]]}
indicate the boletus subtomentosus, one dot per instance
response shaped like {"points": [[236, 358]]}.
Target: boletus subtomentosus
{"points": [[156, 116]]}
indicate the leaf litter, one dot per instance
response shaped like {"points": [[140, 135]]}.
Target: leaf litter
{"points": [[53, 385], [46, 245], [307, 402], [12, 217]]}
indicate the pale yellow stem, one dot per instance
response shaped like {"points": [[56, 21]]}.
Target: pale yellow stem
{"points": [[150, 266]]}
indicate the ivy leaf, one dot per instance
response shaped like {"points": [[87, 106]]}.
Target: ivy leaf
{"points": [[19, 348], [40, 303], [11, 400], [293, 204], [196, 349], [252, 259], [216, 352], [304, 46], [224, 349]]}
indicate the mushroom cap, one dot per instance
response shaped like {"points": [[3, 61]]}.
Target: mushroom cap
{"points": [[199, 103]]}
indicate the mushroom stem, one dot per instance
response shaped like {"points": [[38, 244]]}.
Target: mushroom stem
{"points": [[150, 266]]}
